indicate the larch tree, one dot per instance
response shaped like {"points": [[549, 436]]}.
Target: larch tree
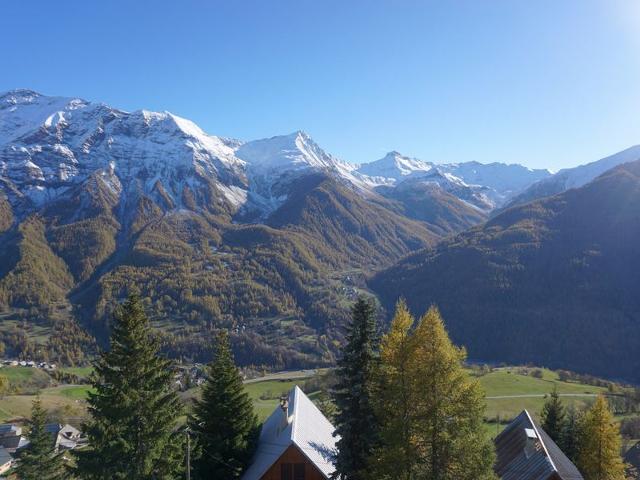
{"points": [[40, 461], [431, 410], [397, 455], [355, 420], [134, 409], [223, 423], [553, 416], [599, 445]]}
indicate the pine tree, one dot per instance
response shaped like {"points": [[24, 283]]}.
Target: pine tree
{"points": [[40, 461], [553, 416], [355, 419], [599, 446], [134, 410], [224, 424], [571, 433], [431, 411]]}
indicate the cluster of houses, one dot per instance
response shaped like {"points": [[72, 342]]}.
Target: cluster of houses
{"points": [[30, 364], [297, 443], [186, 377], [12, 441]]}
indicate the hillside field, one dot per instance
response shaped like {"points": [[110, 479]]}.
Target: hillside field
{"points": [[508, 392]]}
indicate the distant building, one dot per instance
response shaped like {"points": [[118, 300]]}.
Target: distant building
{"points": [[6, 460], [66, 436], [296, 443], [526, 452], [11, 437]]}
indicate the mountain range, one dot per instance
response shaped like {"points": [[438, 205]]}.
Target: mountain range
{"points": [[272, 238]]}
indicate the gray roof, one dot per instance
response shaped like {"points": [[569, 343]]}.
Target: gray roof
{"points": [[526, 452], [306, 428], [9, 428], [5, 456]]}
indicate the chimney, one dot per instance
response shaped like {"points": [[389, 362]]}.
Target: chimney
{"points": [[284, 406], [532, 442]]}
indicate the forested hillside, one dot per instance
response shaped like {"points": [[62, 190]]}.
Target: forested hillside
{"points": [[553, 282]]}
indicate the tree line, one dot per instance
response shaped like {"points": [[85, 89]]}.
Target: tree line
{"points": [[405, 408]]}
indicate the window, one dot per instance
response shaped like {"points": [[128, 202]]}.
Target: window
{"points": [[298, 471], [286, 471], [292, 471]]}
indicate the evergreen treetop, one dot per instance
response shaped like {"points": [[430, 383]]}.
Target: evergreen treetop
{"points": [[134, 409], [40, 460], [224, 424], [553, 416], [356, 423]]}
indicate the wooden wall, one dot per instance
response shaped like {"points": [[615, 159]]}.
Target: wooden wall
{"points": [[293, 455]]}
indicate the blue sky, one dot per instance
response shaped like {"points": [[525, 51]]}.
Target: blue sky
{"points": [[545, 83]]}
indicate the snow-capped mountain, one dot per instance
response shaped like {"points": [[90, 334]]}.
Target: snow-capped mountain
{"points": [[394, 167], [273, 163], [49, 144], [575, 177]]}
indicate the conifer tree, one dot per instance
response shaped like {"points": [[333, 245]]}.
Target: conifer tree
{"points": [[431, 411], [599, 446], [553, 416], [571, 433], [40, 461], [134, 409], [224, 424], [355, 420]]}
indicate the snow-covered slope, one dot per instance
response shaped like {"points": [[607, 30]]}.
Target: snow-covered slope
{"points": [[48, 144], [502, 181], [394, 167], [575, 177], [494, 182]]}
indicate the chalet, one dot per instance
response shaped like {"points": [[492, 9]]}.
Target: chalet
{"points": [[296, 443], [526, 452], [6, 460], [66, 437]]}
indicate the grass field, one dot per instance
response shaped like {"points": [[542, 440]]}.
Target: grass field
{"points": [[508, 392], [82, 372], [270, 388]]}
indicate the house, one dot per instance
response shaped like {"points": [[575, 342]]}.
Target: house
{"points": [[296, 443], [526, 452], [11, 438], [66, 436], [6, 460], [10, 430]]}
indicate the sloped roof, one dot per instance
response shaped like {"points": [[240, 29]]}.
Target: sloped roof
{"points": [[5, 456], [10, 428], [632, 457], [540, 461], [306, 428]]}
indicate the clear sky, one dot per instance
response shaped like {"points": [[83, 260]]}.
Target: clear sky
{"points": [[546, 83]]}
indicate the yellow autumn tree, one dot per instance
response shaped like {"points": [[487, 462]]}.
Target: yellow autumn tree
{"points": [[394, 401], [599, 444], [429, 408]]}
